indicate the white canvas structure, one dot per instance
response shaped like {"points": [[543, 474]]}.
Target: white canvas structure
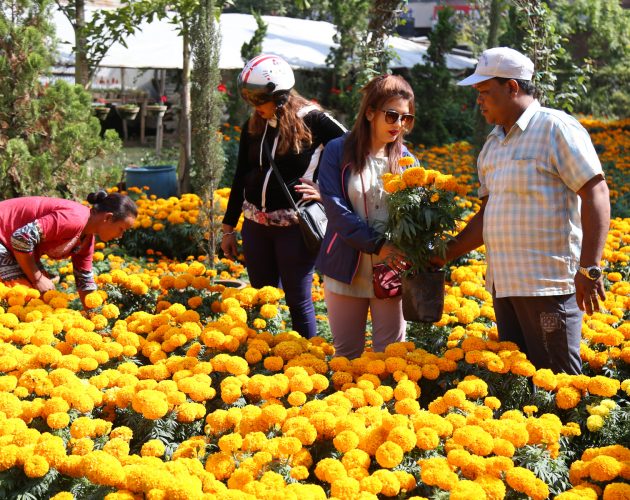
{"points": [[302, 43]]}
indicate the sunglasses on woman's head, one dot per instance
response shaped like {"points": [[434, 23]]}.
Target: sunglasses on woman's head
{"points": [[392, 117]]}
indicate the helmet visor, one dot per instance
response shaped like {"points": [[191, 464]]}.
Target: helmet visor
{"points": [[255, 98]]}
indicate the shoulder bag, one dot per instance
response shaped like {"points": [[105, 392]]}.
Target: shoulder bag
{"points": [[311, 215]]}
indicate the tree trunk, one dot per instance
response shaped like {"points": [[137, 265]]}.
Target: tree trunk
{"points": [[81, 70], [184, 120], [481, 127], [495, 18]]}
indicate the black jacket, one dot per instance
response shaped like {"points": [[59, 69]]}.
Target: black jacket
{"points": [[254, 179]]}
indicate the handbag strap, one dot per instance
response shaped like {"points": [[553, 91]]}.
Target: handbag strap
{"points": [[283, 184], [365, 206]]}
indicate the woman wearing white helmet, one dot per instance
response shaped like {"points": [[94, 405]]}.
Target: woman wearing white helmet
{"points": [[295, 131]]}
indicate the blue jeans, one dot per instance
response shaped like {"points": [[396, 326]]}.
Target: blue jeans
{"points": [[276, 256], [548, 329]]}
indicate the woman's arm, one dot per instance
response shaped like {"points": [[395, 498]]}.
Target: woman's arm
{"points": [[235, 201], [24, 241], [34, 274]]}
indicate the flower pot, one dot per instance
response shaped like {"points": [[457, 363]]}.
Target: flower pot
{"points": [[101, 112], [160, 179], [156, 109], [234, 283], [423, 296], [127, 112]]}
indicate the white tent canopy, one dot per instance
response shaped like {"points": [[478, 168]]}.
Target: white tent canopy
{"points": [[302, 43]]}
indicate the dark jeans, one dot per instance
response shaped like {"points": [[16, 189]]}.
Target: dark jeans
{"points": [[276, 256], [548, 329]]}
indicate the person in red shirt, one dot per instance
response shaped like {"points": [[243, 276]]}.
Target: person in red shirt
{"points": [[35, 225]]}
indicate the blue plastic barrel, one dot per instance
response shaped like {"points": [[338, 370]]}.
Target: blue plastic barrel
{"points": [[160, 179]]}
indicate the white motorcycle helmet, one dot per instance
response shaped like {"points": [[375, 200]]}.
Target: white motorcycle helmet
{"points": [[266, 78]]}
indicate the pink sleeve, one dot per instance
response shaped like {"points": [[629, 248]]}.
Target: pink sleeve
{"points": [[82, 260]]}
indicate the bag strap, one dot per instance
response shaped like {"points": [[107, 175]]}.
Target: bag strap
{"points": [[283, 185], [365, 206]]}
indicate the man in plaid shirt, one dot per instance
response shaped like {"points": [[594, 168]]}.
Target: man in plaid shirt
{"points": [[544, 215]]}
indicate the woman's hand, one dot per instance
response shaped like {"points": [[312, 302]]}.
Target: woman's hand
{"points": [[309, 190], [393, 257], [42, 283], [228, 242]]}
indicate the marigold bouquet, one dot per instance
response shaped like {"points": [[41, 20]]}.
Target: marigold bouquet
{"points": [[424, 207]]}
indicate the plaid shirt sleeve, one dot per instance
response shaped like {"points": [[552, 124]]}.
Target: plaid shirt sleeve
{"points": [[572, 155]]}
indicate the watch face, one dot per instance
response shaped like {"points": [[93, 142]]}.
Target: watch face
{"points": [[594, 273]]}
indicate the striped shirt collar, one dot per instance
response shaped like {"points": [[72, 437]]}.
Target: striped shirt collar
{"points": [[522, 121]]}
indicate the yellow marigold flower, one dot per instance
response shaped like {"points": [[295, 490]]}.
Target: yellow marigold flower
{"points": [[345, 487], [390, 482], [230, 443], [63, 495], [414, 176], [93, 300], [407, 406], [328, 469], [296, 398], [299, 473], [58, 420], [394, 184], [465, 490], [524, 481], [406, 161], [406, 389], [152, 404], [503, 448], [594, 423], [568, 397], [403, 437], [603, 386], [345, 441], [545, 379], [604, 468], [268, 311], [389, 454], [474, 438], [616, 491], [36, 466]]}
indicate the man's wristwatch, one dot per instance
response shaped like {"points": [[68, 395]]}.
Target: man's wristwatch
{"points": [[592, 272]]}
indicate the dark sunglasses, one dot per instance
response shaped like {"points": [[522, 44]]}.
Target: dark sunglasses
{"points": [[392, 117]]}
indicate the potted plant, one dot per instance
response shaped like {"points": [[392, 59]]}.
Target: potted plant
{"points": [[156, 109], [424, 207], [127, 111], [100, 110]]}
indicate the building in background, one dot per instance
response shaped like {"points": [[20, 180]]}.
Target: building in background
{"points": [[423, 14]]}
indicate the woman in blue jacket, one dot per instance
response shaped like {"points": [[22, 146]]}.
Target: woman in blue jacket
{"points": [[351, 187]]}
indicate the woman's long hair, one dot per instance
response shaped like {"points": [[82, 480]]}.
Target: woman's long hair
{"points": [[293, 132], [376, 93]]}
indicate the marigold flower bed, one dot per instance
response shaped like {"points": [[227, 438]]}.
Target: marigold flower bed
{"points": [[177, 387]]}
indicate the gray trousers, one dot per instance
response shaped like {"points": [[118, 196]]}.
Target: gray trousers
{"points": [[548, 329], [347, 317]]}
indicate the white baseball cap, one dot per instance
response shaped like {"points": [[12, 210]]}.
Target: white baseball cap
{"points": [[501, 62]]}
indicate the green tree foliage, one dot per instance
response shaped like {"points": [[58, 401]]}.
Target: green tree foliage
{"points": [[363, 52], [533, 29], [206, 110], [252, 48], [47, 131], [439, 116], [95, 36], [599, 32], [350, 20]]}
